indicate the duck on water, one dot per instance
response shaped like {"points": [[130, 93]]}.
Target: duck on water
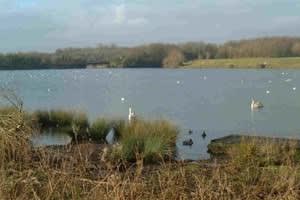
{"points": [[188, 142]]}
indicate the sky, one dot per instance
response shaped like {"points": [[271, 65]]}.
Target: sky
{"points": [[45, 25]]}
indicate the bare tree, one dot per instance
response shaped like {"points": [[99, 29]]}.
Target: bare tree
{"points": [[12, 98]]}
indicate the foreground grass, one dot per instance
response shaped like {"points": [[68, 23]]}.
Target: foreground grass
{"points": [[240, 63], [81, 171]]}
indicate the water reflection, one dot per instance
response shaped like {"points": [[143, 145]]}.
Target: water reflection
{"points": [[49, 138]]}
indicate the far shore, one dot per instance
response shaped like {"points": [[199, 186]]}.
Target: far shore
{"points": [[233, 63], [47, 67], [246, 63]]}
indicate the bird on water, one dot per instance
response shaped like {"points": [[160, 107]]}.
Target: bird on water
{"points": [[256, 104], [188, 142], [204, 134], [131, 115]]}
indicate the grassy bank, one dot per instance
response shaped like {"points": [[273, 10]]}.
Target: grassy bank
{"points": [[81, 172], [244, 63], [153, 141]]}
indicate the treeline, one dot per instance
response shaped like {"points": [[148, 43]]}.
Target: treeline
{"points": [[154, 55]]}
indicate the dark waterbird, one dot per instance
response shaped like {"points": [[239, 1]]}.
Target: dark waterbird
{"points": [[188, 142], [203, 134], [190, 131]]}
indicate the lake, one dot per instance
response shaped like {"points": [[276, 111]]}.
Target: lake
{"points": [[214, 100]]}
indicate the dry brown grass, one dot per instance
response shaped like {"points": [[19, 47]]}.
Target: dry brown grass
{"points": [[79, 175], [253, 170]]}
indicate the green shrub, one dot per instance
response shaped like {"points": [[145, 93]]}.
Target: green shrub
{"points": [[53, 118], [61, 118], [99, 129], [155, 148], [152, 140]]}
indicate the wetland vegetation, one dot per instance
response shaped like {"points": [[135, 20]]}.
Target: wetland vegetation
{"points": [[154, 140], [87, 171], [139, 166]]}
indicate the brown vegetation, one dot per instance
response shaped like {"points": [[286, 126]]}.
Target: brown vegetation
{"points": [[175, 58], [251, 171]]}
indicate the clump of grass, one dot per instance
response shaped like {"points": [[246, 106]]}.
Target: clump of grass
{"points": [[99, 129], [14, 136], [80, 126], [263, 152], [101, 126], [53, 118], [154, 141], [7, 110], [75, 124], [14, 131]]}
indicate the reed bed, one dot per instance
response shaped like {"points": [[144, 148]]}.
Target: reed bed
{"points": [[82, 177], [252, 170]]}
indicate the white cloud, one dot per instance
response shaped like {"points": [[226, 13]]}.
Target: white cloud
{"points": [[88, 22], [123, 16], [120, 14]]}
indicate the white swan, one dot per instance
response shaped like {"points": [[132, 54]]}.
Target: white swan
{"points": [[256, 104], [131, 115]]}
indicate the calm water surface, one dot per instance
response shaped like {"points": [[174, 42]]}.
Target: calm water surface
{"points": [[217, 101]]}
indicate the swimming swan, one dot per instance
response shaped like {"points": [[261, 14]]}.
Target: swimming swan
{"points": [[256, 104]]}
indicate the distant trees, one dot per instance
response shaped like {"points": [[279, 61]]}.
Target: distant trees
{"points": [[261, 47], [199, 50], [146, 56], [296, 49], [24, 59], [174, 58], [155, 55]]}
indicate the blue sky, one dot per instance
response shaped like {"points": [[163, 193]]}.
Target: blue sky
{"points": [[44, 25]]}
